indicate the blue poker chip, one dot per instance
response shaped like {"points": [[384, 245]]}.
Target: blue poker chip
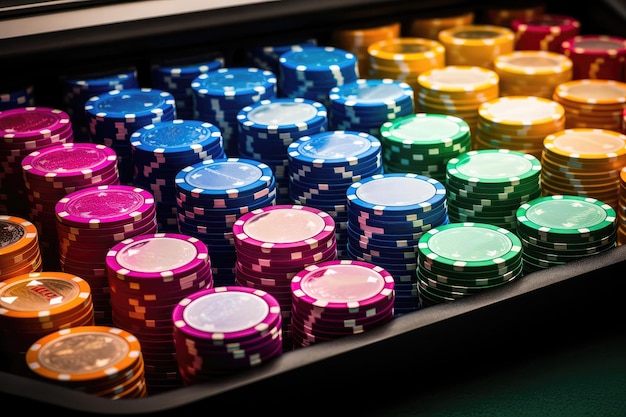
{"points": [[371, 95], [224, 178], [267, 56], [334, 148], [176, 138], [397, 193], [128, 104], [282, 115], [233, 82], [317, 62]]}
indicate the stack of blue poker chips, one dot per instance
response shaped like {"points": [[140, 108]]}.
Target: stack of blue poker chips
{"points": [[176, 77], [267, 56], [220, 94], [162, 149], [387, 215], [365, 104], [324, 165], [77, 89], [22, 96], [267, 129], [211, 195], [113, 117], [312, 71]]}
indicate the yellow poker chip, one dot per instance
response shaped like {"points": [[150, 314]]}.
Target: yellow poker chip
{"points": [[17, 237], [460, 81], [515, 112], [429, 27], [593, 93], [39, 297], [588, 144], [84, 354], [476, 44]]}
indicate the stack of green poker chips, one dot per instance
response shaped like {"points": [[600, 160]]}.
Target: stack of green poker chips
{"points": [[489, 185], [423, 143], [558, 229], [457, 260]]}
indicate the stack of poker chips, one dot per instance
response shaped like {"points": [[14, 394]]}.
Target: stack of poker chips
{"points": [[267, 129], [226, 330], [423, 143], [275, 243], [19, 96], [35, 304], [596, 56], [162, 149], [558, 229], [356, 39], [22, 131], [476, 45], [57, 170], [428, 27], [176, 75], [77, 89], [592, 103], [488, 185], [20, 252], [211, 195], [457, 260], [532, 72], [220, 94], [365, 104], [323, 166], [404, 58], [518, 123], [103, 361], [545, 32], [311, 72], [387, 215], [584, 162], [148, 275], [457, 90], [337, 298], [89, 222], [113, 116], [267, 56], [621, 208]]}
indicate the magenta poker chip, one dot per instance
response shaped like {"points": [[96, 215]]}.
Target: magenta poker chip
{"points": [[105, 206], [283, 228], [32, 123], [227, 313]]}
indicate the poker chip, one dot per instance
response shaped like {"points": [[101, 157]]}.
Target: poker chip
{"points": [[312, 71], [592, 103], [429, 26], [110, 364], [266, 130], [365, 104], [544, 32], [266, 56], [476, 45], [34, 304], [19, 95], [621, 208], [337, 298], [558, 229], [22, 131], [518, 123], [160, 150], [457, 90], [356, 39], [423, 143], [322, 167], [596, 56], [19, 247], [223, 330], [219, 95], [449, 269], [114, 115], [488, 185], [532, 72], [176, 75], [78, 88], [404, 58], [584, 162]]}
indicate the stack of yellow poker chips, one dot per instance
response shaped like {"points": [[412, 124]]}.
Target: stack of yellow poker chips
{"points": [[584, 162], [358, 39], [504, 15], [19, 247], [621, 209], [519, 123], [596, 56], [592, 103], [404, 58], [545, 32], [476, 45], [532, 73], [457, 90], [430, 26]]}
